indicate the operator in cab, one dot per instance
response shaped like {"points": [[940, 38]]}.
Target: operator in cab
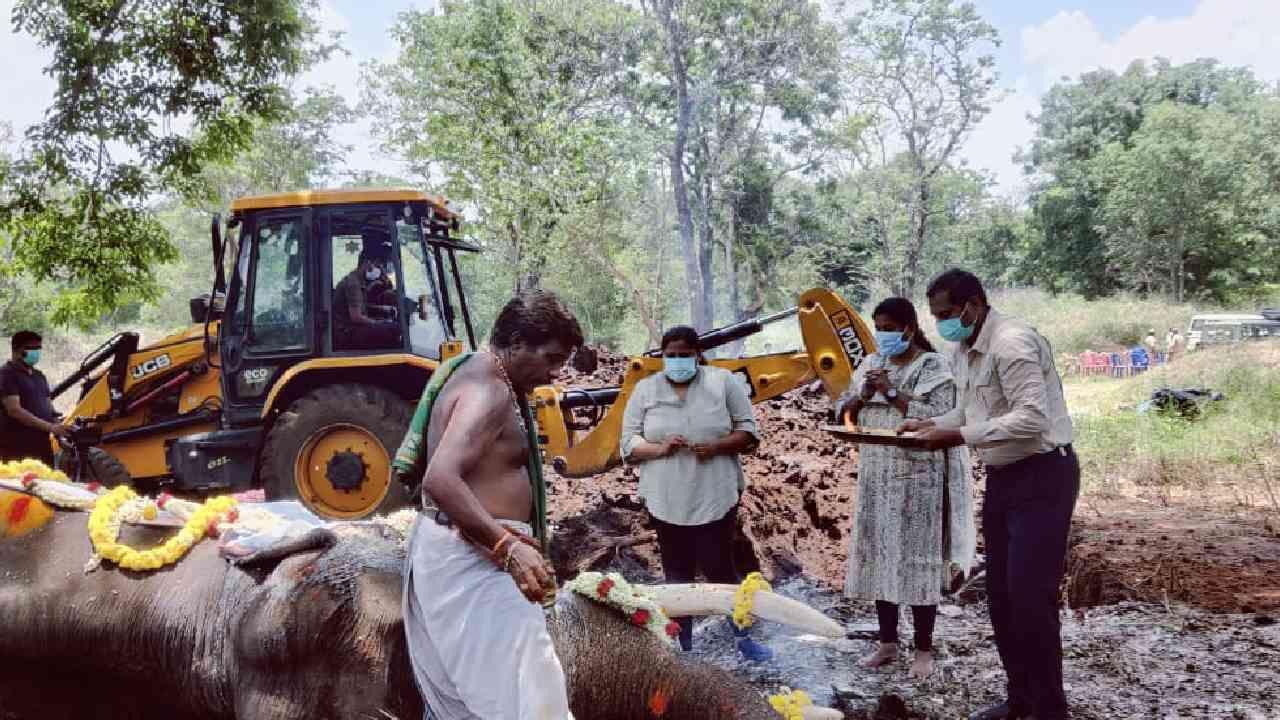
{"points": [[362, 317]]}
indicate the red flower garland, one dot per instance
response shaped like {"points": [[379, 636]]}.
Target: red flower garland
{"points": [[640, 617], [673, 628], [604, 587]]}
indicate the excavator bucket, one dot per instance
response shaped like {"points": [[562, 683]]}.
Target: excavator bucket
{"points": [[836, 338]]}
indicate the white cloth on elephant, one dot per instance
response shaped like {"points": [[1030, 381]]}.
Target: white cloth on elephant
{"points": [[479, 649]]}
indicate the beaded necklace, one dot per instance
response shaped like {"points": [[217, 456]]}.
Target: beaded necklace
{"points": [[511, 388]]}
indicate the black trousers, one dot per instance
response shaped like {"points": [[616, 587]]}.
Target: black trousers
{"points": [[1025, 521], [923, 618], [685, 549]]}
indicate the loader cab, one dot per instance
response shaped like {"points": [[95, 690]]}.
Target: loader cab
{"points": [[299, 289]]}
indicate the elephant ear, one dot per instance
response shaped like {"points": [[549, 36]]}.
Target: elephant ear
{"points": [[266, 557]]}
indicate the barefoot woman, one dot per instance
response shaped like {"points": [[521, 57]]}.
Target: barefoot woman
{"points": [[914, 517]]}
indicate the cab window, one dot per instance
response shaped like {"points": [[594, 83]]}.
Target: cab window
{"points": [[275, 295], [422, 293]]}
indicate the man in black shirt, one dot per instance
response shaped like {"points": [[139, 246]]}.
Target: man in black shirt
{"points": [[28, 418]]}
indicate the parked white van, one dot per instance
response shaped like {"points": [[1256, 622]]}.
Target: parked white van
{"points": [[1225, 328]]}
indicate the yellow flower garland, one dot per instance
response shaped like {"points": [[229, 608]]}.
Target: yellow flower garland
{"points": [[744, 599], [790, 704], [106, 518], [51, 486], [16, 469]]}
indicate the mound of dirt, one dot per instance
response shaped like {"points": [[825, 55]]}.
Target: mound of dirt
{"points": [[1194, 555]]}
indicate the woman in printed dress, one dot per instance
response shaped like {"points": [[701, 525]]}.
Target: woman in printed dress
{"points": [[914, 517]]}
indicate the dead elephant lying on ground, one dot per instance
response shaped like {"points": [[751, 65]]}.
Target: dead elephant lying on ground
{"points": [[317, 634]]}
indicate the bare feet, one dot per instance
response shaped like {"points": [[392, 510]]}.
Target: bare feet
{"points": [[921, 664], [884, 654]]}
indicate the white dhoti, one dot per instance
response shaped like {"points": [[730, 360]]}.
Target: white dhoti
{"points": [[480, 650]]}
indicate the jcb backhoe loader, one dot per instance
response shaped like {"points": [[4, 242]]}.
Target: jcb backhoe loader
{"points": [[270, 388]]}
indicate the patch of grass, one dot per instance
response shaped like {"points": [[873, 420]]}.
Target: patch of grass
{"points": [[1073, 324], [1234, 444]]}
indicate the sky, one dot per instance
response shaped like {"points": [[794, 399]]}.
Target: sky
{"points": [[1042, 41]]}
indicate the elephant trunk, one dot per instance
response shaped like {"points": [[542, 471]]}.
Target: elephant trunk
{"points": [[619, 671]]}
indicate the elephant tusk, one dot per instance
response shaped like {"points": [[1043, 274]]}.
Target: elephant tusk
{"points": [[717, 599], [815, 712]]}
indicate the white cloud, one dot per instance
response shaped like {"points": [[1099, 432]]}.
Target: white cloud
{"points": [[342, 72], [1236, 32]]}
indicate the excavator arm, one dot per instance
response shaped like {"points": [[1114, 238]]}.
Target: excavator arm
{"points": [[835, 338]]}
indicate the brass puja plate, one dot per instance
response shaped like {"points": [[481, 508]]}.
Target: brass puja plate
{"points": [[872, 436]]}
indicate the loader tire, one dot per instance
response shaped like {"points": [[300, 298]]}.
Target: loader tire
{"points": [[103, 468], [332, 450]]}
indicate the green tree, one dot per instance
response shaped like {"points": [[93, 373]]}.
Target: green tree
{"points": [[923, 76], [298, 151], [1185, 205], [1077, 121], [511, 103], [728, 84], [129, 76]]}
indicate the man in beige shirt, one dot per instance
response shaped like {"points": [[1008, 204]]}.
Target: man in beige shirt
{"points": [[1010, 408]]}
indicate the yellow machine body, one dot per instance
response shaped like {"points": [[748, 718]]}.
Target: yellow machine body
{"points": [[149, 369]]}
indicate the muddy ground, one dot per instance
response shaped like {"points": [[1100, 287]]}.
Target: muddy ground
{"points": [[1169, 609]]}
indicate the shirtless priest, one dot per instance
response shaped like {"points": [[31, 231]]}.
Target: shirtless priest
{"points": [[476, 572]]}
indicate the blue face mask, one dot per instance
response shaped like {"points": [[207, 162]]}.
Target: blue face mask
{"points": [[680, 370], [31, 357], [953, 329], [891, 343]]}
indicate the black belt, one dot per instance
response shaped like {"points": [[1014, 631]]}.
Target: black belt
{"points": [[1063, 450]]}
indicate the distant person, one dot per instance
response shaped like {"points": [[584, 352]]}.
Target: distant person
{"points": [[685, 427], [28, 418], [1168, 341], [914, 516], [1011, 408], [1177, 345], [358, 323], [1149, 342]]}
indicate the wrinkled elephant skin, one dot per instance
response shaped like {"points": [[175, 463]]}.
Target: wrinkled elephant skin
{"points": [[316, 635]]}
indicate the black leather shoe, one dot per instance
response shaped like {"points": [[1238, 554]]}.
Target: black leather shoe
{"points": [[996, 712]]}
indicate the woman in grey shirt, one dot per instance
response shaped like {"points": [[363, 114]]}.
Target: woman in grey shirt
{"points": [[685, 429]]}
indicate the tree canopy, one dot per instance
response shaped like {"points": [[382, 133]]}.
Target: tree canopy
{"points": [[148, 93]]}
